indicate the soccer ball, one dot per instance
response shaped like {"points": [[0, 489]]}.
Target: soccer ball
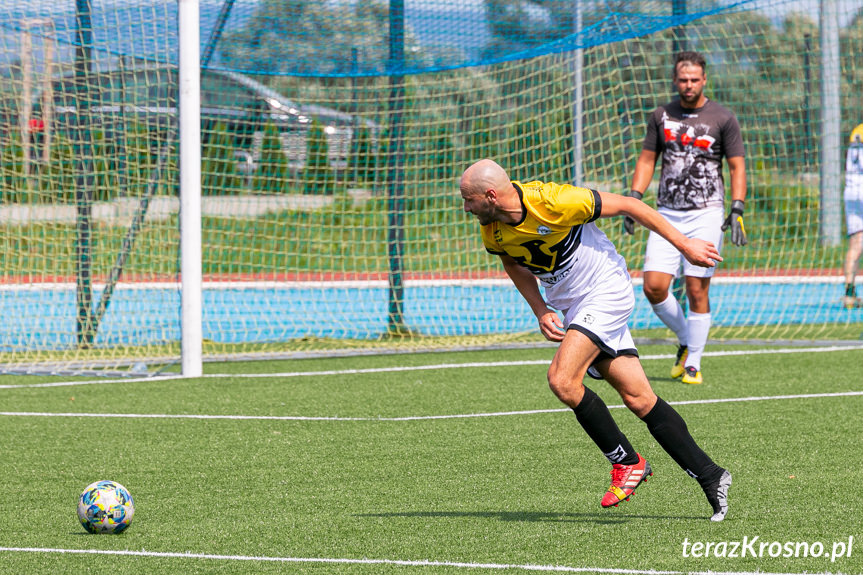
{"points": [[105, 507]]}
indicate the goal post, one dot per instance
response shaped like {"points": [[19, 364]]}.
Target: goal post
{"points": [[190, 186], [241, 179]]}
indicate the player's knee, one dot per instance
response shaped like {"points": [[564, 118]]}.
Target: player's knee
{"points": [[639, 403], [654, 294], [698, 302], [635, 391], [566, 385]]}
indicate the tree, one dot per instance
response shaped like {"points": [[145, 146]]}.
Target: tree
{"points": [[362, 159], [218, 165], [272, 173], [314, 37], [318, 176], [851, 38], [520, 24]]}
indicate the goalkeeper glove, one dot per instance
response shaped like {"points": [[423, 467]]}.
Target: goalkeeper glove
{"points": [[628, 222], [735, 222]]}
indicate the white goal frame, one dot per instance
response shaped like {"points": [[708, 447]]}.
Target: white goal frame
{"points": [[191, 262]]}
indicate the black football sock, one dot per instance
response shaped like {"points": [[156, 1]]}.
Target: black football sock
{"points": [[594, 417], [670, 431]]}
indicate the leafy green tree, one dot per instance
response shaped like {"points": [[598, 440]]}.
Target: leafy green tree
{"points": [[520, 24], [59, 178], [318, 176], [11, 170], [479, 142], [311, 37], [272, 172], [442, 157], [218, 164], [851, 38], [362, 158]]}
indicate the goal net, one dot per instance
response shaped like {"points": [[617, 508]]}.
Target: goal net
{"points": [[333, 137]]}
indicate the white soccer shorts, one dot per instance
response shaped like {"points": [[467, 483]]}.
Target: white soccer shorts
{"points": [[854, 207], [705, 224], [603, 316]]}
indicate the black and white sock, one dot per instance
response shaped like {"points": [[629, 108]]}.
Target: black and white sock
{"points": [[594, 417], [670, 431]]}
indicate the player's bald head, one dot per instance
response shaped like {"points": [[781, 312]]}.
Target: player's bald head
{"points": [[484, 175]]}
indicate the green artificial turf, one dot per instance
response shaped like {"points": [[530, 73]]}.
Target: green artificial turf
{"points": [[465, 494]]}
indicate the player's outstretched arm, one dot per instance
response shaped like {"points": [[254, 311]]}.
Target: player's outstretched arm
{"points": [[525, 282], [697, 252]]}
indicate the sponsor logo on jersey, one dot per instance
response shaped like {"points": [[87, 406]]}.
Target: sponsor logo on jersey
{"points": [[552, 280], [543, 230]]}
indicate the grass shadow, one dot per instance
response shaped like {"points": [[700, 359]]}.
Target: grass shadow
{"points": [[531, 516]]}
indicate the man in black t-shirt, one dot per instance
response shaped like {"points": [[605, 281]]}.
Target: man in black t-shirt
{"points": [[693, 134]]}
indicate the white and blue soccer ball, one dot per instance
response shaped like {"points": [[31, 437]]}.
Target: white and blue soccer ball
{"points": [[105, 507]]}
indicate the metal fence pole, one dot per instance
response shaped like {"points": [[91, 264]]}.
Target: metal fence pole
{"points": [[396, 190], [831, 126]]}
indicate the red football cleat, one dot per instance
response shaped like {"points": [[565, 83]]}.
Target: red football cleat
{"points": [[624, 480]]}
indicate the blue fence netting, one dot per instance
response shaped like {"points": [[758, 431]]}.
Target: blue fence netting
{"points": [[340, 38]]}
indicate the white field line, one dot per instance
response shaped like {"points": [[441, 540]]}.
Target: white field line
{"points": [[407, 417], [762, 351], [92, 382], [365, 561]]}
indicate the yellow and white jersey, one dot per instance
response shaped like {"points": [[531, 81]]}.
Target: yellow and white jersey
{"points": [[558, 242]]}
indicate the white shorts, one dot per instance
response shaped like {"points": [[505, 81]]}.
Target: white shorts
{"points": [[705, 224], [603, 316], [853, 208]]}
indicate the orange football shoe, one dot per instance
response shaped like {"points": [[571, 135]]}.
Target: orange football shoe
{"points": [[624, 480]]}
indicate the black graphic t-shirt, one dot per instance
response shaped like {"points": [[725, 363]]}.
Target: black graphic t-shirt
{"points": [[692, 143]]}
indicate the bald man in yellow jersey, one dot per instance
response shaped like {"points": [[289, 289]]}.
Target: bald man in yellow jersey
{"points": [[546, 232]]}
